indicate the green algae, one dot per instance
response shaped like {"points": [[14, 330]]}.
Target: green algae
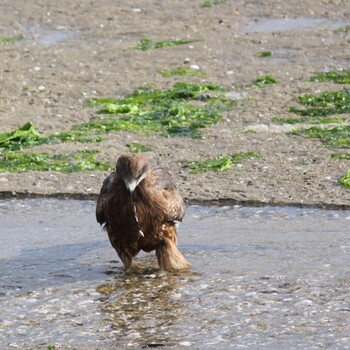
{"points": [[338, 76], [12, 159], [341, 156], [25, 136], [307, 120], [136, 147], [323, 104], [210, 3], [344, 29], [335, 137], [146, 44], [84, 160], [220, 163], [264, 54], [345, 180], [180, 111], [319, 108], [72, 136], [183, 71], [265, 80], [11, 40]]}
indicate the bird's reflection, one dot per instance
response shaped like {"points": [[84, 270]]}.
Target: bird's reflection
{"points": [[143, 309]]}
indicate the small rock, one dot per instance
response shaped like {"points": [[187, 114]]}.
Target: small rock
{"points": [[185, 343], [305, 302]]}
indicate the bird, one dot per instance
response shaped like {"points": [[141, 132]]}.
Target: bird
{"points": [[140, 208]]}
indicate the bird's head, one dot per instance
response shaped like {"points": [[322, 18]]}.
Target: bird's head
{"points": [[132, 169]]}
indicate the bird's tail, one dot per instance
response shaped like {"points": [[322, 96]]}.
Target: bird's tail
{"points": [[170, 258]]}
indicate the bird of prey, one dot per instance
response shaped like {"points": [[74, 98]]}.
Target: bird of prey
{"points": [[140, 208]]}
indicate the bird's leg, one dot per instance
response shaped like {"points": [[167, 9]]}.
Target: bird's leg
{"points": [[129, 263], [170, 258]]}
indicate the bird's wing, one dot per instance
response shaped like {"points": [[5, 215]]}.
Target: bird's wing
{"points": [[169, 200], [102, 198]]}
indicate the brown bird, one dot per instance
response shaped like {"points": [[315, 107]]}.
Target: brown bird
{"points": [[140, 208]]}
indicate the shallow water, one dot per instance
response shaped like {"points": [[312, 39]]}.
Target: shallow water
{"points": [[267, 278], [265, 25], [47, 37]]}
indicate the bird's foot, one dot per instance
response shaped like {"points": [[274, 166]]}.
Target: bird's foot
{"points": [[134, 267]]}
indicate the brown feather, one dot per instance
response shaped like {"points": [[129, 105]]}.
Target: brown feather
{"points": [[143, 218]]}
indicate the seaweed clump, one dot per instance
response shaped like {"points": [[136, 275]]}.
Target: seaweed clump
{"points": [[183, 71], [336, 137], [25, 136], [307, 120], [136, 147], [264, 54], [343, 29], [265, 80], [11, 39], [220, 163], [341, 156], [12, 159], [146, 44], [180, 111], [345, 180], [324, 104], [338, 76], [84, 160], [210, 3]]}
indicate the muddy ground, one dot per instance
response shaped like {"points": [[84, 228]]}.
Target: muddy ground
{"points": [[76, 50]]}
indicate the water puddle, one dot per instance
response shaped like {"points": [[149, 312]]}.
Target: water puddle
{"points": [[47, 37], [267, 25], [277, 277], [55, 36]]}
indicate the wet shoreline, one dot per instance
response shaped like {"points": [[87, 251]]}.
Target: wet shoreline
{"points": [[4, 195], [267, 278]]}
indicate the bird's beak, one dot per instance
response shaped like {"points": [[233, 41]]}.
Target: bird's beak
{"points": [[131, 186]]}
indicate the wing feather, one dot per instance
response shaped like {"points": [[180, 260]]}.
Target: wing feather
{"points": [[102, 198], [169, 201]]}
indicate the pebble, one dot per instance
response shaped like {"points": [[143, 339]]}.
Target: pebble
{"points": [[185, 343], [305, 302], [194, 66]]}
